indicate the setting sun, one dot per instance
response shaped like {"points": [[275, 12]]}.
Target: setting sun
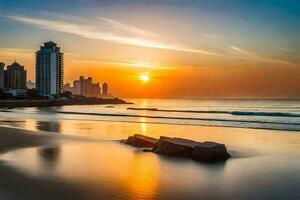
{"points": [[144, 78]]}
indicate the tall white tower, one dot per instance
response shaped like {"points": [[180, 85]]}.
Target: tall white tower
{"points": [[49, 70]]}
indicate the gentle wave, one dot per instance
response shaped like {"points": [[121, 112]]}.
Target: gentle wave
{"points": [[268, 114], [177, 118]]}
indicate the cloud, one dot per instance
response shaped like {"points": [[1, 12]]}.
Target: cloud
{"points": [[212, 35], [249, 55], [108, 30], [121, 26], [129, 63], [282, 49], [14, 50], [13, 53], [118, 32]]}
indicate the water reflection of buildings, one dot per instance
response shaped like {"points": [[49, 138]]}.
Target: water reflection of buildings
{"points": [[49, 155], [86, 87], [52, 126]]}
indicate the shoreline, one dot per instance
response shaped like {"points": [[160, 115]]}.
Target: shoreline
{"points": [[49, 103], [32, 187], [12, 138], [15, 138], [37, 185]]}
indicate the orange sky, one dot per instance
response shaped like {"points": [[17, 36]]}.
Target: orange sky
{"points": [[215, 77], [202, 50]]}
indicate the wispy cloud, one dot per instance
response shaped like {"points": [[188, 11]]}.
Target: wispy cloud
{"points": [[125, 27], [14, 50], [13, 53], [249, 55], [130, 63], [212, 35], [116, 32], [282, 49]]}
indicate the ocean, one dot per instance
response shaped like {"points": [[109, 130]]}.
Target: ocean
{"points": [[259, 114], [263, 137]]}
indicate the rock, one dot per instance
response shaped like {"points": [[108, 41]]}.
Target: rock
{"points": [[179, 147], [210, 152], [174, 146], [147, 150], [206, 151], [141, 141]]}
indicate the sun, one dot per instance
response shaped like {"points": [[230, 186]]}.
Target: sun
{"points": [[144, 78]]}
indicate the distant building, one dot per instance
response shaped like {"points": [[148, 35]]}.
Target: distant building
{"points": [[2, 74], [84, 87], [30, 84], [67, 87], [105, 89], [49, 70], [15, 76], [76, 87]]}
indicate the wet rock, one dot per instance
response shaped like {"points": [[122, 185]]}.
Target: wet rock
{"points": [[174, 146], [201, 151], [147, 150], [210, 152], [179, 147], [141, 141]]}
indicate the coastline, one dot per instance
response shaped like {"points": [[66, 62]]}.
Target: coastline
{"points": [[103, 155], [13, 138], [49, 103], [17, 185]]}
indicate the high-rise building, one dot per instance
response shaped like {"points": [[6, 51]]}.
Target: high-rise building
{"points": [[85, 87], [49, 69], [104, 89], [15, 76], [2, 74]]}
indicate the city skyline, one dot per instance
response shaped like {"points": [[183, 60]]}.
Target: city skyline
{"points": [[88, 88], [49, 68], [194, 49]]}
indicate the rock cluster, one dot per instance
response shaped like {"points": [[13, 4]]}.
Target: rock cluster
{"points": [[179, 147], [141, 141]]}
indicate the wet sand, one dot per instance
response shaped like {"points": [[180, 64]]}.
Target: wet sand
{"points": [[90, 169], [15, 185], [11, 138]]}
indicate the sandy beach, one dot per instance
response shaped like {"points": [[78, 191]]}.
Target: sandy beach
{"points": [[12, 138], [76, 167], [17, 185]]}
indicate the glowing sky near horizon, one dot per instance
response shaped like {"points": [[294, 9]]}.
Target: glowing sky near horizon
{"points": [[223, 49]]}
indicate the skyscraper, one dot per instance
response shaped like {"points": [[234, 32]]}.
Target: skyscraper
{"points": [[104, 89], [49, 70], [2, 74], [15, 76]]}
